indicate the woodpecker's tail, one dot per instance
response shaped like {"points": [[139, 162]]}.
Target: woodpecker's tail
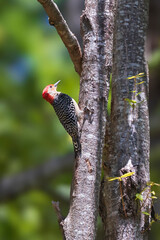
{"points": [[77, 147]]}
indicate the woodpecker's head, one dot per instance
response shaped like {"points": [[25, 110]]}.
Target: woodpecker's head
{"points": [[50, 92]]}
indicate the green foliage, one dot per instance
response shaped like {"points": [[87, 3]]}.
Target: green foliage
{"points": [[150, 195], [133, 102], [32, 56], [146, 213], [139, 196]]}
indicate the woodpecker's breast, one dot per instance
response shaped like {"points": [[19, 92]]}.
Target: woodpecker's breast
{"points": [[65, 110]]}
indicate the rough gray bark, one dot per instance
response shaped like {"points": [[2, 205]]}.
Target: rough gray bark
{"points": [[127, 136], [97, 29]]}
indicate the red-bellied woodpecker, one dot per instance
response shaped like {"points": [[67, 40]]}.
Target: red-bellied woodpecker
{"points": [[67, 111]]}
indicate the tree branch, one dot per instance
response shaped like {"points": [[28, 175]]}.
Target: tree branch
{"points": [[59, 216], [70, 41], [12, 186]]}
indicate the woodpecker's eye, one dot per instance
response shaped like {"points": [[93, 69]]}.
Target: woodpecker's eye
{"points": [[50, 86]]}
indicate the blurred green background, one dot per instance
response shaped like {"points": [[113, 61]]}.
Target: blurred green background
{"points": [[31, 57]]}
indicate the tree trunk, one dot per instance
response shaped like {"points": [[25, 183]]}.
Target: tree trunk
{"points": [[127, 136], [97, 29]]}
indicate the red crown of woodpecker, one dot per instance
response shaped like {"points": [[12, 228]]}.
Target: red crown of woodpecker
{"points": [[49, 92]]}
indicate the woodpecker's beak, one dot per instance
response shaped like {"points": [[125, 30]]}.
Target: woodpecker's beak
{"points": [[55, 85]]}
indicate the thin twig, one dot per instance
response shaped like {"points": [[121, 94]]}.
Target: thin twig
{"points": [[59, 216], [70, 41]]}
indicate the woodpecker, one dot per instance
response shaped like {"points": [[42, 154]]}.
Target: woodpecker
{"points": [[67, 111]]}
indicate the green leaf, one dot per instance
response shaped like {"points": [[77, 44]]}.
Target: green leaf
{"points": [[139, 196], [123, 176], [139, 74], [129, 100], [136, 76], [127, 174], [138, 93], [139, 83], [131, 77], [154, 197], [112, 179], [146, 213], [156, 184], [153, 184]]}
